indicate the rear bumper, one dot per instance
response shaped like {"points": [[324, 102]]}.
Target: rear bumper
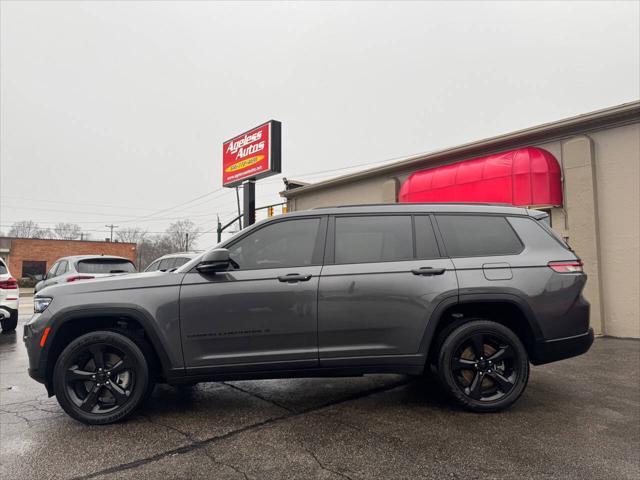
{"points": [[560, 348]]}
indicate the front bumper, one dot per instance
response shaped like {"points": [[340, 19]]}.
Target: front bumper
{"points": [[560, 348], [31, 335]]}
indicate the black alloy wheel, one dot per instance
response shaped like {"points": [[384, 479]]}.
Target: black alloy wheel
{"points": [[101, 377], [483, 365]]}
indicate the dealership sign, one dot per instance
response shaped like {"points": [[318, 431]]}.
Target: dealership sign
{"points": [[252, 155]]}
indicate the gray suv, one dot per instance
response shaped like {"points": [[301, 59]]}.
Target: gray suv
{"points": [[472, 292]]}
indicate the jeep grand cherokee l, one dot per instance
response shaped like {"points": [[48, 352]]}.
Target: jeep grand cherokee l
{"points": [[473, 292]]}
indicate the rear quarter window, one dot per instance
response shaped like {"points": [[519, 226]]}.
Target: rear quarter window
{"points": [[3, 268], [478, 235], [105, 266]]}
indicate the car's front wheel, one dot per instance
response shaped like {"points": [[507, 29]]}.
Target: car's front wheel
{"points": [[483, 365], [101, 377], [9, 324]]}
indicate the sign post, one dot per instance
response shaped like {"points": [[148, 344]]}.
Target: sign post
{"points": [[249, 196], [248, 157]]}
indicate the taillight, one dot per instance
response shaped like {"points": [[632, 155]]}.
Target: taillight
{"points": [[574, 266], [73, 278], [9, 284]]}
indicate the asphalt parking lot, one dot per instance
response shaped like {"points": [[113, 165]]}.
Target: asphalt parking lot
{"points": [[578, 419]]}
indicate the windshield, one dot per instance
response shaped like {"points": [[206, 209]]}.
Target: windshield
{"points": [[105, 265]]}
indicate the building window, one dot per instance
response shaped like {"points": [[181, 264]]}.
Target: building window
{"points": [[31, 268]]}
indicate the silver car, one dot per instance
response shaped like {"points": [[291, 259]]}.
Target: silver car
{"points": [[85, 267], [170, 261]]}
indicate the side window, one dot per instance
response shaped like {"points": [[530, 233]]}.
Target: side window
{"points": [[279, 245], [153, 267], [52, 271], [181, 261], [62, 268], [166, 264], [370, 239], [426, 244], [478, 235]]}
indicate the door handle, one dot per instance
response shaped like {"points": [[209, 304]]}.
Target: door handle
{"points": [[424, 271], [294, 277]]}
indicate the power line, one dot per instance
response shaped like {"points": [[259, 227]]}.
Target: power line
{"points": [[43, 200], [112, 226]]}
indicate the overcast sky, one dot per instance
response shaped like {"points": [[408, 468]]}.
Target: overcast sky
{"points": [[115, 112]]}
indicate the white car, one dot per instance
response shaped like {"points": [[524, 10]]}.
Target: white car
{"points": [[9, 297], [170, 261]]}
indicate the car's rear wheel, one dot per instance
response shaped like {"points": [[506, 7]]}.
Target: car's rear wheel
{"points": [[101, 377], [483, 365], [9, 324]]}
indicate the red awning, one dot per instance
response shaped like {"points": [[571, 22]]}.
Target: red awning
{"points": [[523, 177]]}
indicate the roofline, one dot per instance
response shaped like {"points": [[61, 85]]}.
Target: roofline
{"points": [[607, 117], [65, 240], [94, 255]]}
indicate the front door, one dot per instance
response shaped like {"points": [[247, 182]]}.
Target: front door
{"points": [[378, 289], [264, 312]]}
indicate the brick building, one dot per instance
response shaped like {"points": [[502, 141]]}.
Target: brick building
{"points": [[29, 256]]}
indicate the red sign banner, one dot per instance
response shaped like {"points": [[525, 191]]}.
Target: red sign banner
{"points": [[252, 155]]}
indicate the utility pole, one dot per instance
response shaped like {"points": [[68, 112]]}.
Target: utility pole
{"points": [[112, 226], [186, 241]]}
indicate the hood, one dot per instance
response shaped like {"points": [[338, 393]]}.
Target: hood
{"points": [[114, 282]]}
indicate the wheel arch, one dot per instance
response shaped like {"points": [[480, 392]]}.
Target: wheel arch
{"points": [[69, 324], [509, 310]]}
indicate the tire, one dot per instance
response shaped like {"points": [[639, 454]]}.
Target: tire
{"points": [[483, 366], [95, 394], [9, 324]]}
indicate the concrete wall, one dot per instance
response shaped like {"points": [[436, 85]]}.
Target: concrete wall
{"points": [[600, 217], [617, 174]]}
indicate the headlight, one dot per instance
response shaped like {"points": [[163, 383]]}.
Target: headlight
{"points": [[40, 304]]}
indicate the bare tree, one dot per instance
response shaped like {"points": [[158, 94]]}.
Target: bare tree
{"points": [[28, 229], [182, 235], [153, 247], [131, 235], [67, 231]]}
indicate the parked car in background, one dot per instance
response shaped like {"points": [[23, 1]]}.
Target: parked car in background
{"points": [[172, 260], [9, 298], [85, 267], [472, 292]]}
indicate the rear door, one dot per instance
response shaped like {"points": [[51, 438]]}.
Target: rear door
{"points": [[485, 250], [383, 276]]}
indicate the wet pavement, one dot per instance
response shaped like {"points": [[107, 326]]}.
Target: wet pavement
{"points": [[578, 419]]}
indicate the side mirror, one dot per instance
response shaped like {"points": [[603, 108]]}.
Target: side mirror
{"points": [[38, 285], [214, 261]]}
